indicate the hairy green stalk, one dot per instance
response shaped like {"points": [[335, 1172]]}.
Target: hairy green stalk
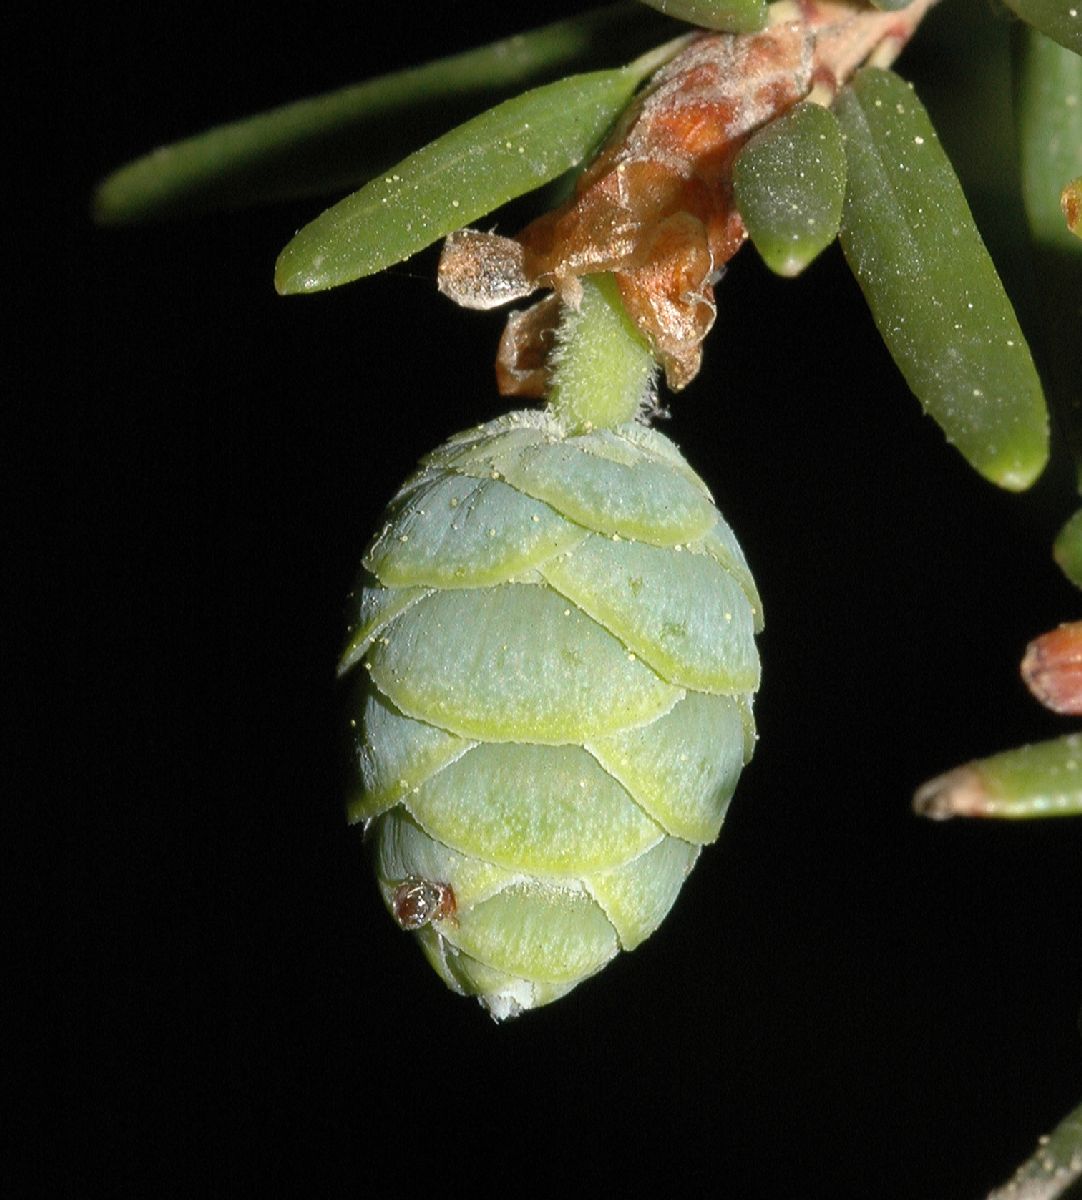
{"points": [[603, 371]]}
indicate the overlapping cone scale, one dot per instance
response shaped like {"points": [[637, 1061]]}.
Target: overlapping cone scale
{"points": [[553, 638]]}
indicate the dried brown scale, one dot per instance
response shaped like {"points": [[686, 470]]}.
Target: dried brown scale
{"points": [[525, 345]]}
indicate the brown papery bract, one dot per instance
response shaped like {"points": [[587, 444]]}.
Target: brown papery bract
{"points": [[656, 207]]}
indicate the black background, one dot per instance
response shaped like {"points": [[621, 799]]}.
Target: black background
{"points": [[845, 1001]]}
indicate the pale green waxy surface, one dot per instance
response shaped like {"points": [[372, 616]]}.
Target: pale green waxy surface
{"points": [[525, 427], [476, 982], [643, 500], [910, 240], [537, 931], [453, 531], [458, 947], [377, 607], [488, 445], [789, 184], [730, 16], [677, 609], [404, 850], [455, 180], [645, 438], [637, 896], [599, 480], [548, 810], [1067, 550], [684, 767], [521, 751], [466, 974], [395, 755], [721, 542], [1061, 20], [516, 662]]}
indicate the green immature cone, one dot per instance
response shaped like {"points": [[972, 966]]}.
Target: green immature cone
{"points": [[789, 184], [910, 240], [554, 649]]}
